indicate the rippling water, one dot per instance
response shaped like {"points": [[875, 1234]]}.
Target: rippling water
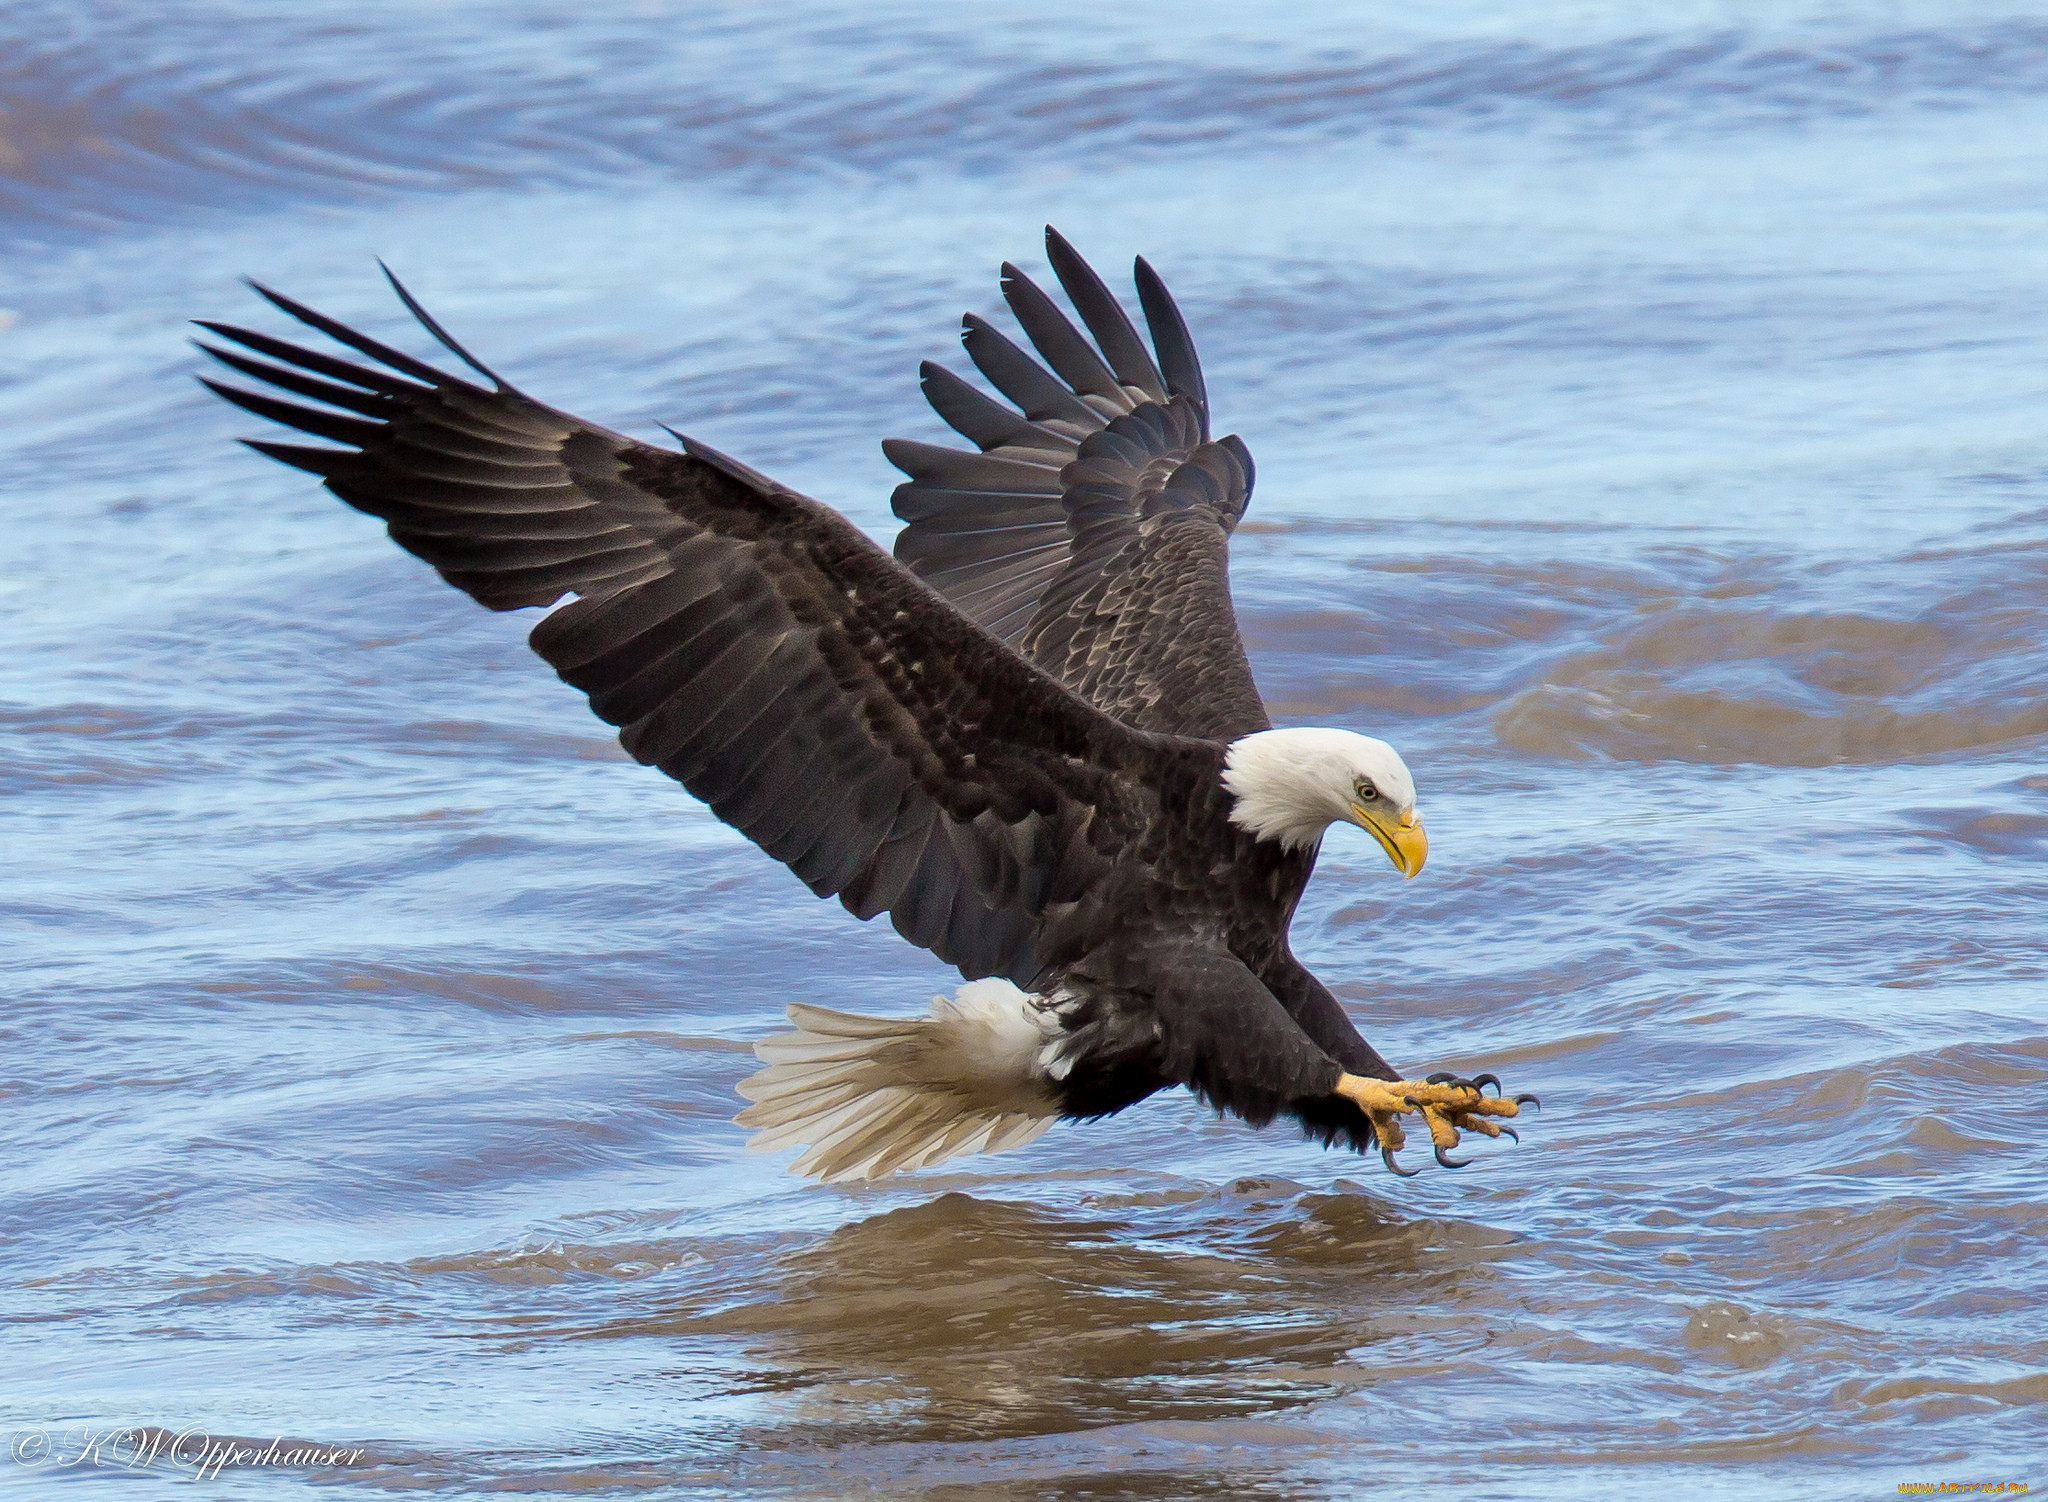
{"points": [[1649, 404]]}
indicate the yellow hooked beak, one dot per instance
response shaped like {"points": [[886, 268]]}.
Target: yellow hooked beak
{"points": [[1405, 843]]}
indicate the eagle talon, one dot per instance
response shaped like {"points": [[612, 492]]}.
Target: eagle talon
{"points": [[1448, 1105], [1529, 1100]]}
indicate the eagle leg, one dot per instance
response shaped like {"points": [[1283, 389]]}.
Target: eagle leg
{"points": [[1447, 1105]]}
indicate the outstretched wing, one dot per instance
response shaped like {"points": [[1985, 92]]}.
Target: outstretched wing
{"points": [[1092, 531], [748, 641]]}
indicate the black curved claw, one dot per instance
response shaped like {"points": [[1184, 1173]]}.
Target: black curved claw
{"points": [[1528, 1100], [1451, 1162], [1411, 1102], [1440, 1077], [1511, 1132], [1487, 1079], [1387, 1157]]}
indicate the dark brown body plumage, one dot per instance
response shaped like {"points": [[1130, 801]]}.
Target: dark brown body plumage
{"points": [[1011, 741]]}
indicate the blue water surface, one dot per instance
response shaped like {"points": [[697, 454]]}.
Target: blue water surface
{"points": [[1651, 412]]}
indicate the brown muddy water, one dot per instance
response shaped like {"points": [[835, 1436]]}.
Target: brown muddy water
{"points": [[1649, 404]]}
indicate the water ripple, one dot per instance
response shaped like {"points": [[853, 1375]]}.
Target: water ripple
{"points": [[102, 121]]}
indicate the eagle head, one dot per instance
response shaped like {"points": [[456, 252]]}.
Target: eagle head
{"points": [[1291, 785]]}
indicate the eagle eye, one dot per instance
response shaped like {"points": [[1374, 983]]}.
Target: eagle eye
{"points": [[1366, 791]]}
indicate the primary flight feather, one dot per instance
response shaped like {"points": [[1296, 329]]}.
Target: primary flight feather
{"points": [[1032, 737]]}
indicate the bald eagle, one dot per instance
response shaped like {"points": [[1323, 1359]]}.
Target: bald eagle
{"points": [[1032, 737]]}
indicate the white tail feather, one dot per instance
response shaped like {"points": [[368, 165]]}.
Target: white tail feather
{"points": [[870, 1096]]}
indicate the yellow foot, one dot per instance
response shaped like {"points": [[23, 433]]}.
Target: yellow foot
{"points": [[1446, 1103]]}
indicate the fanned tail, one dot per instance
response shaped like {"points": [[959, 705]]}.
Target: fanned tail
{"points": [[870, 1096]]}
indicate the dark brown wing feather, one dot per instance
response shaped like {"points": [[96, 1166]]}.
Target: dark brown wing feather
{"points": [[1092, 531], [749, 642]]}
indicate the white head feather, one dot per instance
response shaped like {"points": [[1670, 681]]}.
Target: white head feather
{"points": [[1291, 785]]}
